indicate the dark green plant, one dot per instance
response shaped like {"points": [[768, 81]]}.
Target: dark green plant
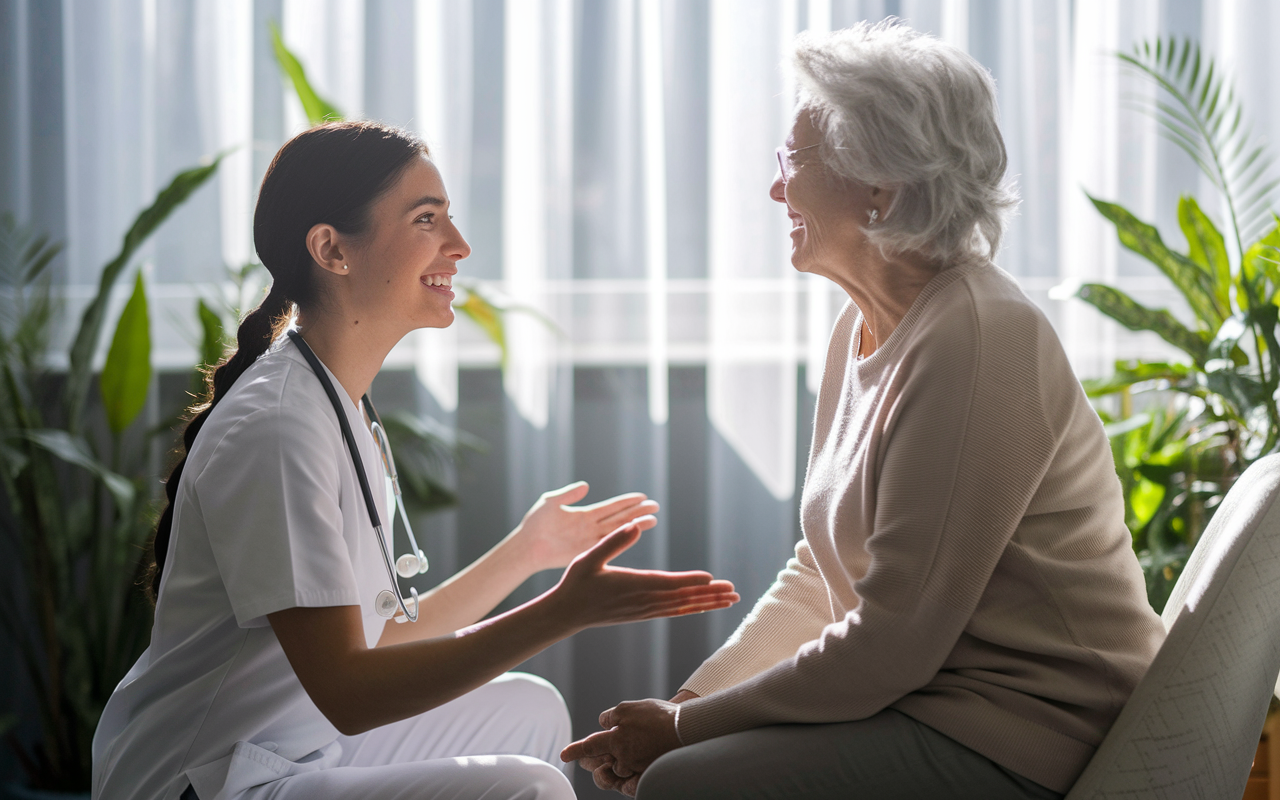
{"points": [[1210, 417], [79, 509]]}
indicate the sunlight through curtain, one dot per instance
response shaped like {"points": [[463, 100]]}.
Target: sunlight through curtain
{"points": [[609, 162]]}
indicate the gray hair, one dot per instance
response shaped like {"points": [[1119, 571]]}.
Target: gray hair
{"points": [[902, 110]]}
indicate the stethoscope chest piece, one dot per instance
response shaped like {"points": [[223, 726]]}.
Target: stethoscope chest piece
{"points": [[409, 564], [386, 604], [388, 601]]}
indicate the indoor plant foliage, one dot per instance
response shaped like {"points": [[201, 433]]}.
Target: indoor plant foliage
{"points": [[1215, 413], [81, 480], [78, 490]]}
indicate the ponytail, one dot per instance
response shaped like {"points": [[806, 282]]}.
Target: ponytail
{"points": [[258, 330], [330, 174]]}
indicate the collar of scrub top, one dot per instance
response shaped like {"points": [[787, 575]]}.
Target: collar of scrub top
{"points": [[411, 563]]}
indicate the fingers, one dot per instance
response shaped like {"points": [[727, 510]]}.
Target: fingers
{"points": [[621, 771], [597, 744], [661, 580], [617, 510], [613, 545], [629, 786], [628, 514], [568, 495], [591, 763], [645, 522], [684, 609], [605, 778]]}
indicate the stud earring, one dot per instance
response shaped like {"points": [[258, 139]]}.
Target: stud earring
{"points": [[873, 215], [344, 266]]}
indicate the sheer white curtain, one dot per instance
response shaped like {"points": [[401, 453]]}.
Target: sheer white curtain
{"points": [[609, 161]]}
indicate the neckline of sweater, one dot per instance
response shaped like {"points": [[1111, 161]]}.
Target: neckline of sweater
{"points": [[939, 282]]}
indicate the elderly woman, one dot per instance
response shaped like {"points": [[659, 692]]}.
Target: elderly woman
{"points": [[964, 616]]}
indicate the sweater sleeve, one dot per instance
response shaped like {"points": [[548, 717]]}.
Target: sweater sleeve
{"points": [[792, 612], [963, 446]]}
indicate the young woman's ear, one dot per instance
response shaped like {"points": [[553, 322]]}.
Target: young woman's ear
{"points": [[326, 250]]}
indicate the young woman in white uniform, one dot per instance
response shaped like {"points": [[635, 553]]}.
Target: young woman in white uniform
{"points": [[271, 673]]}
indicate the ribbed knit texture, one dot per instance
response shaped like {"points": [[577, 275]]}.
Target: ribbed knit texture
{"points": [[965, 558]]}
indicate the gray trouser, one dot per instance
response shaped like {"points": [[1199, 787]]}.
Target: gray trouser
{"points": [[886, 756]]}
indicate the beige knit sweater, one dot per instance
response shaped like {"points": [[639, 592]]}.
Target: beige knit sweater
{"points": [[965, 559]]}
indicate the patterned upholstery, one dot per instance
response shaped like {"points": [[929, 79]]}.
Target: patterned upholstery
{"points": [[1191, 728]]}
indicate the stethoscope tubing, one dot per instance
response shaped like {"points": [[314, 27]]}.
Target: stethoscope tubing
{"points": [[361, 477]]}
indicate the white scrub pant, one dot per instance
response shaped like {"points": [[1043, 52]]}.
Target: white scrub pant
{"points": [[497, 742]]}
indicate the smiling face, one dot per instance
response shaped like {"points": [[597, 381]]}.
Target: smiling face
{"points": [[827, 212], [400, 269]]}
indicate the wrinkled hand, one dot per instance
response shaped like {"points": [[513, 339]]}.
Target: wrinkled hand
{"points": [[636, 734], [601, 767], [555, 531]]}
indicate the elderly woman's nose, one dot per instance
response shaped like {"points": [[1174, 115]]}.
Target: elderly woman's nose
{"points": [[778, 191]]}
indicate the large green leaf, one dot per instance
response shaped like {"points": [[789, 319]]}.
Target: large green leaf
{"points": [[316, 108], [1125, 426], [213, 337], [1262, 263], [1144, 499], [86, 339], [1137, 317], [1243, 392], [1206, 248], [1195, 283], [1200, 112], [74, 450], [126, 375], [1130, 372], [480, 310]]}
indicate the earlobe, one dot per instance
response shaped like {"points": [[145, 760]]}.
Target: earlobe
{"points": [[325, 248]]}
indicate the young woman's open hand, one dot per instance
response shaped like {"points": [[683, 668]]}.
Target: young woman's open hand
{"points": [[592, 593], [555, 531]]}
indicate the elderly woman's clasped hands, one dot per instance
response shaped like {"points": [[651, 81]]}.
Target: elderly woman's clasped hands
{"points": [[636, 733]]}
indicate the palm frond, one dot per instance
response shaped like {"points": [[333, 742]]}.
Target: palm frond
{"points": [[1200, 112]]}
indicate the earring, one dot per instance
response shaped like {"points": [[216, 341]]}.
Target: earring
{"points": [[873, 215], [344, 266]]}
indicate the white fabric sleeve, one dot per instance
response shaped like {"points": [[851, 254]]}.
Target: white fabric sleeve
{"points": [[961, 456], [269, 499], [793, 611]]}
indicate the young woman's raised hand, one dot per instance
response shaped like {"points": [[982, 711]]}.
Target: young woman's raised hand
{"points": [[592, 592], [555, 531]]}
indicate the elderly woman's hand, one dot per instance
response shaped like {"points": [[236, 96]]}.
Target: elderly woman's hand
{"points": [[636, 734], [602, 767]]}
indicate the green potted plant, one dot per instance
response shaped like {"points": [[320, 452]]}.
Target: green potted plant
{"points": [[1206, 418], [77, 491]]}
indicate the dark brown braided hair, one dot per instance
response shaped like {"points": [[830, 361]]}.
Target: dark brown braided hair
{"points": [[329, 174]]}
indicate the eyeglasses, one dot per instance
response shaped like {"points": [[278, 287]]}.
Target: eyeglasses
{"points": [[786, 162]]}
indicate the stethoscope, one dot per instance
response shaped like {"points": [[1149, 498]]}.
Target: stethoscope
{"points": [[409, 564]]}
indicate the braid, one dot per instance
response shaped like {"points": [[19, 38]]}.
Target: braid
{"points": [[258, 330]]}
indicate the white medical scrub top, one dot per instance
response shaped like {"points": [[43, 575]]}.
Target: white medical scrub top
{"points": [[268, 516]]}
